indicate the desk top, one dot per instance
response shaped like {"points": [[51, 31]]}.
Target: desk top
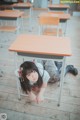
{"points": [[22, 5], [61, 16], [42, 44], [11, 14], [58, 6]]}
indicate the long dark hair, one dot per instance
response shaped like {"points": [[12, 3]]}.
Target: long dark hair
{"points": [[26, 68]]}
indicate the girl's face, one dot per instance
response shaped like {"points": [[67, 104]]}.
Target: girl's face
{"points": [[33, 76]]}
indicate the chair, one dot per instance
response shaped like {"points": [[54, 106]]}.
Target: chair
{"points": [[4, 27], [9, 25], [24, 16], [50, 26]]}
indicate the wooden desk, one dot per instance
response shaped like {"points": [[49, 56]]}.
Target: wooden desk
{"points": [[11, 15], [63, 18], [59, 7], [23, 6], [4, 7], [5, 15], [42, 46]]}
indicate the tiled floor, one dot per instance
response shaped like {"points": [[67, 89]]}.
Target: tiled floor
{"points": [[48, 110]]}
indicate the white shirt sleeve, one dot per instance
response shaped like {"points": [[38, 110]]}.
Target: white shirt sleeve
{"points": [[43, 73], [46, 77]]}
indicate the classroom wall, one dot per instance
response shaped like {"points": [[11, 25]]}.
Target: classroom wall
{"points": [[44, 3], [55, 1], [12, 0], [37, 3], [41, 3]]}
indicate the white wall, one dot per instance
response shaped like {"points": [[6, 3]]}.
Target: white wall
{"points": [[55, 1], [10, 0], [37, 3], [44, 4], [14, 0]]}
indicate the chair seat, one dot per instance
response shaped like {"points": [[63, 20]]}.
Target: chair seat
{"points": [[8, 28], [51, 31], [25, 16]]}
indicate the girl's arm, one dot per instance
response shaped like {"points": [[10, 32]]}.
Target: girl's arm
{"points": [[40, 96]]}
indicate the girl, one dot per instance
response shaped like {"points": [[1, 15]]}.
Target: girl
{"points": [[33, 80]]}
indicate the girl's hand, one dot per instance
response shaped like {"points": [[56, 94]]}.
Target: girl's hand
{"points": [[40, 98], [32, 97]]}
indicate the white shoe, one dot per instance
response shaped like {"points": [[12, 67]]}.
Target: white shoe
{"points": [[3, 116]]}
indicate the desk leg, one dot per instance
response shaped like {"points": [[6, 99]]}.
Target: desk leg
{"points": [[40, 27], [48, 10], [30, 19], [67, 11], [18, 25], [17, 80], [30, 12], [65, 28], [61, 80]]}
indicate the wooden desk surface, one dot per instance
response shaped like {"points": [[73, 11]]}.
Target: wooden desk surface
{"points": [[22, 5], [58, 6], [12, 14], [3, 7], [61, 16], [41, 44]]}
